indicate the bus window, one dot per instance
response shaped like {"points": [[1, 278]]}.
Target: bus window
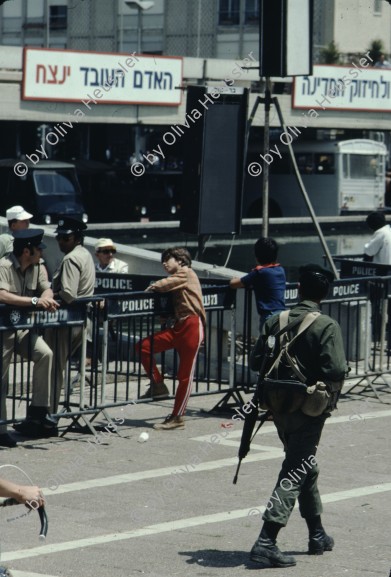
{"points": [[305, 163], [345, 165], [363, 166], [324, 163]]}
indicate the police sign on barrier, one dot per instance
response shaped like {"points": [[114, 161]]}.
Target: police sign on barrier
{"points": [[125, 304], [21, 318], [107, 282], [349, 289], [344, 289], [291, 294], [352, 268]]}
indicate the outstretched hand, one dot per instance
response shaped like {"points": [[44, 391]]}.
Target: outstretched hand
{"points": [[32, 497]]}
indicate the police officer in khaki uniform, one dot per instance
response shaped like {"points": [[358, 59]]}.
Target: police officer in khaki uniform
{"points": [[23, 283], [320, 354], [74, 278]]}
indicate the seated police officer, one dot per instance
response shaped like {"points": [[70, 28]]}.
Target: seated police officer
{"points": [[23, 283], [320, 355]]}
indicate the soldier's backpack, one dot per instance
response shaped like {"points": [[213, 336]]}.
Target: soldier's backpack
{"points": [[282, 388]]}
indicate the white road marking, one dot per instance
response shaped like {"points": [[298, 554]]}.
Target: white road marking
{"points": [[265, 453], [352, 418], [169, 526], [29, 574]]}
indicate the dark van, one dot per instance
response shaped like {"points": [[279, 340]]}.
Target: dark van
{"points": [[46, 189], [113, 194]]}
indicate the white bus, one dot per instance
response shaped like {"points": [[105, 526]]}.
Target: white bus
{"points": [[346, 177]]}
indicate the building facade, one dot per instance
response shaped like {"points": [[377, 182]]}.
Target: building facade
{"points": [[225, 29], [214, 37], [352, 25]]}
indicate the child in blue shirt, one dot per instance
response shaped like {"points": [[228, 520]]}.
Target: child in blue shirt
{"points": [[267, 280]]}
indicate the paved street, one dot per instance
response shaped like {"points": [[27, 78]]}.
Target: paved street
{"points": [[168, 506]]}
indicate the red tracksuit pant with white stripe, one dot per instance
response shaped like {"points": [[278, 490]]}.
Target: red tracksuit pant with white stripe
{"points": [[185, 337]]}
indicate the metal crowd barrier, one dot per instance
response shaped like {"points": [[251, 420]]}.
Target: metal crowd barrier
{"points": [[378, 278], [107, 335], [14, 322], [360, 305], [110, 325], [130, 317]]}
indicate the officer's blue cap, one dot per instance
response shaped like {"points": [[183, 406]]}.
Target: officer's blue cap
{"points": [[68, 225], [29, 237]]}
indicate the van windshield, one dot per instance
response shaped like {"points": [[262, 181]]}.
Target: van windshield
{"points": [[361, 166], [52, 183]]}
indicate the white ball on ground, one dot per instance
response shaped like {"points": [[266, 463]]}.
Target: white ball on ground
{"points": [[143, 437]]}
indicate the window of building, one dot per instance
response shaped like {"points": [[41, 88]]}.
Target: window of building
{"points": [[378, 7], [251, 15], [58, 17], [35, 10], [229, 12]]}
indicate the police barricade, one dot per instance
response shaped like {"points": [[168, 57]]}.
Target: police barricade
{"points": [[379, 295], [25, 349], [132, 316], [347, 303]]}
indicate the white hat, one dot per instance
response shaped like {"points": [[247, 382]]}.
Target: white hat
{"points": [[105, 243], [17, 213]]}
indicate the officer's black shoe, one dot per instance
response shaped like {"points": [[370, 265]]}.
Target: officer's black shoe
{"points": [[41, 416], [4, 572], [320, 542], [30, 428], [38, 423], [7, 441], [266, 552]]}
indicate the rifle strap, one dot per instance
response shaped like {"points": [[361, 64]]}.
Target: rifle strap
{"points": [[305, 321]]}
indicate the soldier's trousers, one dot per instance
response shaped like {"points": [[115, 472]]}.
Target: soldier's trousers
{"points": [[31, 346], [299, 472]]}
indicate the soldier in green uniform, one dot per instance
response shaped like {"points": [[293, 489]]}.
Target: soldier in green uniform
{"points": [[75, 278], [320, 353]]}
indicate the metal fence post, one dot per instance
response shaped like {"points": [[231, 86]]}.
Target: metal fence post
{"points": [[105, 356], [232, 361], [367, 336], [83, 363]]}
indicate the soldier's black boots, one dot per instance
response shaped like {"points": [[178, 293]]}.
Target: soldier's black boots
{"points": [[265, 550], [319, 541]]}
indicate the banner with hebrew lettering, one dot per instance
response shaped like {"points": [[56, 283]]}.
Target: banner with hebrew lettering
{"points": [[91, 78], [355, 87]]}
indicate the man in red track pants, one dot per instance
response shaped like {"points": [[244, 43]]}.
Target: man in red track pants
{"points": [[185, 336]]}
